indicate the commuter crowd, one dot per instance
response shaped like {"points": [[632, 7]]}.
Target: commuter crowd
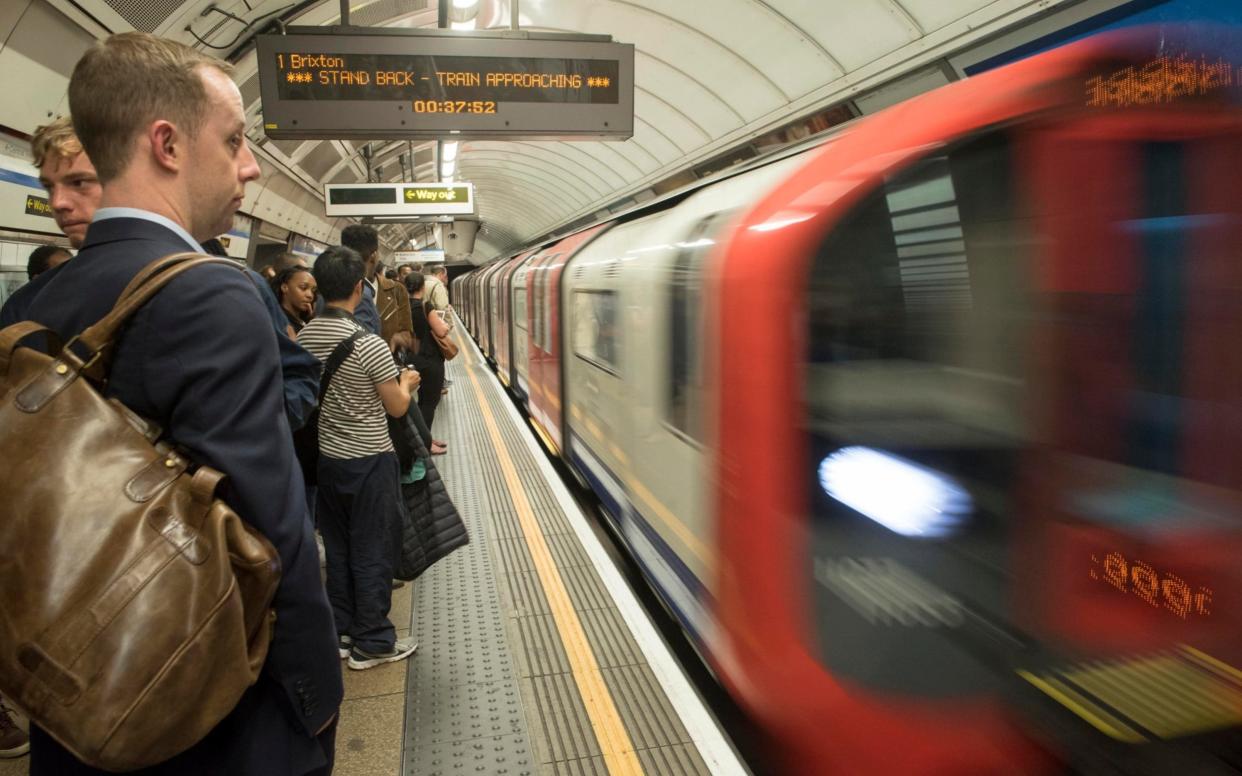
{"points": [[312, 388]]}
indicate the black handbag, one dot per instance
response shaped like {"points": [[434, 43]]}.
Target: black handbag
{"points": [[306, 438]]}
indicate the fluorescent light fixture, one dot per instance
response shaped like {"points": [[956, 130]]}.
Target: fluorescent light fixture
{"points": [[465, 4], [902, 496], [447, 169], [448, 151]]}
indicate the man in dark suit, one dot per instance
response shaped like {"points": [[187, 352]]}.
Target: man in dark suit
{"points": [[164, 126]]}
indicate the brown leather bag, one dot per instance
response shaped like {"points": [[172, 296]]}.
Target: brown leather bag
{"points": [[136, 606], [448, 348]]}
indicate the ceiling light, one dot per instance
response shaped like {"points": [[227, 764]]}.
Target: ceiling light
{"points": [[447, 169], [448, 152]]}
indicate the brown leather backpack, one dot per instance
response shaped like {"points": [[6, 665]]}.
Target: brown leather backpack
{"points": [[136, 606]]}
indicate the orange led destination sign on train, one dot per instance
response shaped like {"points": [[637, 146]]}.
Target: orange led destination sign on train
{"points": [[1159, 589], [1163, 80]]}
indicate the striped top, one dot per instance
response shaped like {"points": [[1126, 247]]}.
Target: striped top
{"points": [[352, 420]]}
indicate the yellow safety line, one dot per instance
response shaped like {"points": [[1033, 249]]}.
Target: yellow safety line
{"points": [[1218, 666], [613, 739], [1093, 714]]}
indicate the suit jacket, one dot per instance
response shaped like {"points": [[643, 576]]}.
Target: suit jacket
{"points": [[18, 304], [201, 360], [392, 302], [298, 367]]}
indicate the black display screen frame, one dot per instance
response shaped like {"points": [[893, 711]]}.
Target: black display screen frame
{"points": [[467, 85]]}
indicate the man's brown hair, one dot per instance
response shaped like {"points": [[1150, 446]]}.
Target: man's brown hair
{"points": [[57, 140], [127, 81]]}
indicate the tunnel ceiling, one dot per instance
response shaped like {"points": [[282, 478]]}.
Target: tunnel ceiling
{"points": [[709, 75]]}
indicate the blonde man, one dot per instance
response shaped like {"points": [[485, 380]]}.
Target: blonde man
{"points": [[165, 127], [73, 191], [70, 179]]}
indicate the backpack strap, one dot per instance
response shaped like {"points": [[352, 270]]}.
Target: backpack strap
{"points": [[339, 354]]}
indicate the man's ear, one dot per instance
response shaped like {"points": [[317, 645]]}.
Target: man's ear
{"points": [[167, 145]]}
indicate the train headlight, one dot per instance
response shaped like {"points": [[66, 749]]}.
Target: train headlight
{"points": [[900, 495]]}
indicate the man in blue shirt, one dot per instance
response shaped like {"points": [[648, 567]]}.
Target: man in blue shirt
{"points": [[365, 240], [164, 125]]}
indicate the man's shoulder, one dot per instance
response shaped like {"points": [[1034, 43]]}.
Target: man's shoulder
{"points": [[325, 326]]}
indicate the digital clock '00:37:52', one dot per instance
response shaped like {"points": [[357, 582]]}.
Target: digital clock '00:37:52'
{"points": [[454, 106]]}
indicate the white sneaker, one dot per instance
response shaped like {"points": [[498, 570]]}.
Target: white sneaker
{"points": [[403, 648]]}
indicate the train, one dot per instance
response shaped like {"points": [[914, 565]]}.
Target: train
{"points": [[930, 433]]}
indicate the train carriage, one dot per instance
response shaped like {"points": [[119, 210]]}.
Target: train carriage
{"points": [[543, 327], [928, 436]]}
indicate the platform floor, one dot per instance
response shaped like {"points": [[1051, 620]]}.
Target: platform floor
{"points": [[534, 657]]}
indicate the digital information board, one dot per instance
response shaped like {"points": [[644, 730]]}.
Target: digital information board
{"points": [[394, 87], [398, 199]]}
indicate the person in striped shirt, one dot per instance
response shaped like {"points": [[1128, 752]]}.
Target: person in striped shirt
{"points": [[359, 498]]}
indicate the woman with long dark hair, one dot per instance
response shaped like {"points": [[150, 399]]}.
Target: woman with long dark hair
{"points": [[427, 359]]}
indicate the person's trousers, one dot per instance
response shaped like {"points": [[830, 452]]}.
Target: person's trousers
{"points": [[359, 501], [430, 385], [416, 417]]}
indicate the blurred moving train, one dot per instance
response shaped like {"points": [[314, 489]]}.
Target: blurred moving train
{"points": [[931, 435]]}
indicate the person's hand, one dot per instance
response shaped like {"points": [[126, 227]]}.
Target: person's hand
{"points": [[410, 379]]}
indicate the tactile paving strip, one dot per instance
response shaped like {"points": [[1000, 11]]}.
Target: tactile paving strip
{"points": [[490, 691], [464, 711]]}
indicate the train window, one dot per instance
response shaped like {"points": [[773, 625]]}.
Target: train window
{"points": [[596, 337], [520, 279], [685, 360], [918, 326], [535, 280], [544, 322]]}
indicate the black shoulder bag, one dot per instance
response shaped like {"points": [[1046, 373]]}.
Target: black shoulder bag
{"points": [[306, 438]]}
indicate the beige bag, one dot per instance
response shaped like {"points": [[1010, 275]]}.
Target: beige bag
{"points": [[137, 607]]}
